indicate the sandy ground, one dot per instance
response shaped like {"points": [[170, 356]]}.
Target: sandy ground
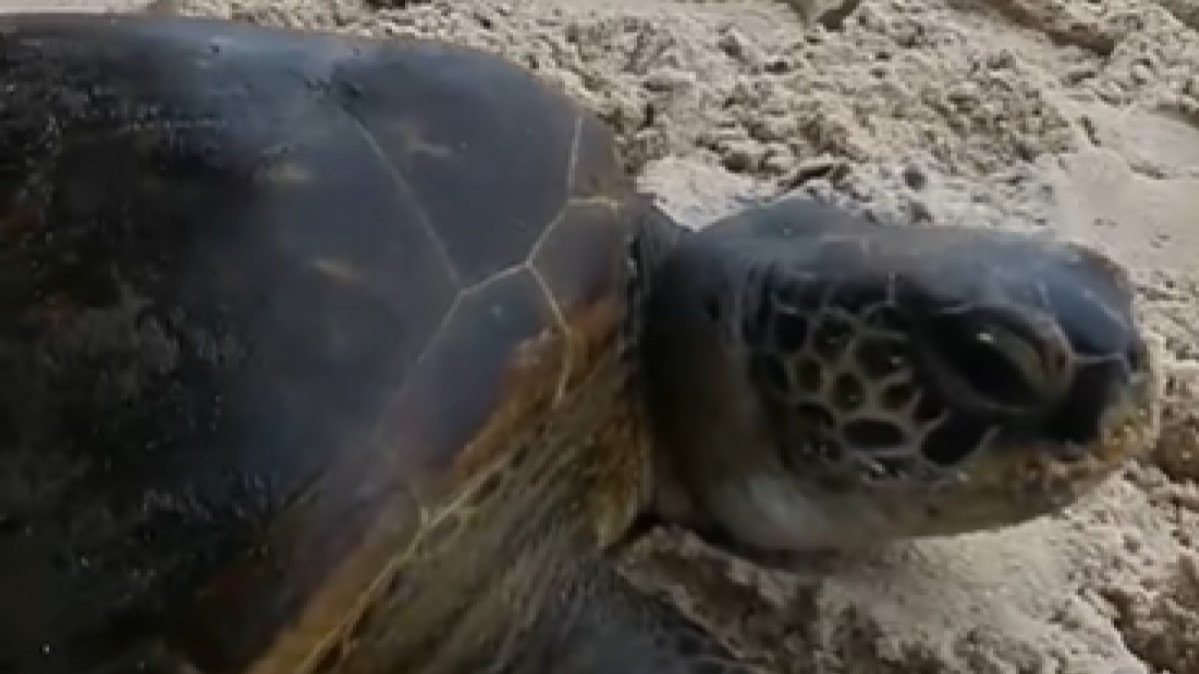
{"points": [[1079, 117]]}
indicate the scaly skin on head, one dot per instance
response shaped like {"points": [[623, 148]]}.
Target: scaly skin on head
{"points": [[818, 381]]}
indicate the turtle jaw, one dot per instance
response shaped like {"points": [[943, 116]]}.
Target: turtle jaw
{"points": [[1060, 466], [765, 510], [1009, 464], [1018, 479]]}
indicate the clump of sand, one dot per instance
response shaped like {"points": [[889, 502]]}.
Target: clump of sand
{"points": [[1081, 118]]}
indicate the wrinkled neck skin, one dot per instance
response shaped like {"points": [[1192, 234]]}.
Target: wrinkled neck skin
{"points": [[716, 434]]}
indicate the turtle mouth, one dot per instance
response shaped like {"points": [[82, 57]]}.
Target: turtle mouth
{"points": [[1110, 415], [1129, 422], [1111, 408]]}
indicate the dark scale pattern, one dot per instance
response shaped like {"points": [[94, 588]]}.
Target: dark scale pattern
{"points": [[831, 337], [808, 435], [873, 434], [848, 393], [897, 396], [953, 440], [892, 467], [881, 357]]}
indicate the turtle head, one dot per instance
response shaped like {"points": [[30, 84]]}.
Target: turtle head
{"points": [[817, 380]]}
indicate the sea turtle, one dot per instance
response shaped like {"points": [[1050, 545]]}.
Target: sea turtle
{"points": [[324, 354]]}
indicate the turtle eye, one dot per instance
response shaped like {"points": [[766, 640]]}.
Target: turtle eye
{"points": [[988, 360], [1020, 356]]}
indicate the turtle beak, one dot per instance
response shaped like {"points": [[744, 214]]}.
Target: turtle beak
{"points": [[1110, 415], [1129, 423]]}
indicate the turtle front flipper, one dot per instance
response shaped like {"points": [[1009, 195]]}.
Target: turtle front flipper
{"points": [[612, 627]]}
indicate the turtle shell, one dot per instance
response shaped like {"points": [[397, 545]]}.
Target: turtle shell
{"points": [[259, 291]]}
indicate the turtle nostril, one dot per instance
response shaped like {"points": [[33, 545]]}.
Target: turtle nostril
{"points": [[1138, 356]]}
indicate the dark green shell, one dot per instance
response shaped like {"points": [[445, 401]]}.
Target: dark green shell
{"points": [[252, 283]]}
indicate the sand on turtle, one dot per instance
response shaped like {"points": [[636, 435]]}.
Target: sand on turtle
{"points": [[1077, 118]]}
